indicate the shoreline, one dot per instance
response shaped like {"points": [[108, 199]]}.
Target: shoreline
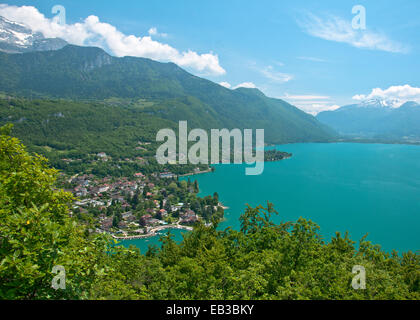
{"points": [[356, 141], [194, 173], [153, 232]]}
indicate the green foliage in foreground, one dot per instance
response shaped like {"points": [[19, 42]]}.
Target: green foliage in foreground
{"points": [[261, 261], [36, 232]]}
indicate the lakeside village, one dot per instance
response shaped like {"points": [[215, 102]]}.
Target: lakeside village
{"points": [[143, 202], [141, 205]]}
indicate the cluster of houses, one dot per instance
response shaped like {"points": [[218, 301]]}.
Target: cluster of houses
{"points": [[144, 225], [128, 220], [102, 193], [188, 217]]}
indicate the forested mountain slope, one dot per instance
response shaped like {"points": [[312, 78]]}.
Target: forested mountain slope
{"points": [[83, 73]]}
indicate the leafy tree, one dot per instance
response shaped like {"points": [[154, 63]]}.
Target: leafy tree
{"points": [[36, 231], [196, 189]]}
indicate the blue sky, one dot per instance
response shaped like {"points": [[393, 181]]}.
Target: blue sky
{"points": [[302, 51]]}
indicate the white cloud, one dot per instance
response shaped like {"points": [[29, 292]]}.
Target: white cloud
{"points": [[248, 85], [270, 72], [225, 84], [154, 32], [340, 30], [312, 104], [276, 76], [93, 32], [395, 96], [316, 108]]}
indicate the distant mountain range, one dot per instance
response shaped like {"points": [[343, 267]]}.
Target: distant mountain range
{"points": [[376, 119], [165, 90], [17, 38]]}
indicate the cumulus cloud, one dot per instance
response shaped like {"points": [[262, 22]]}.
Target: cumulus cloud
{"points": [[93, 32], [312, 104], [395, 96], [248, 85], [225, 84], [334, 28]]}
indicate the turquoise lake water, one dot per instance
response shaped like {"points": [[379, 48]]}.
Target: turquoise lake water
{"points": [[362, 188]]}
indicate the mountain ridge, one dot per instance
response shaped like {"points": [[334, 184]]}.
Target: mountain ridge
{"points": [[378, 120], [90, 73]]}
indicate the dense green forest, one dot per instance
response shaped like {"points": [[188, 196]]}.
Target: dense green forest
{"points": [[77, 129], [163, 90], [66, 129], [262, 260]]}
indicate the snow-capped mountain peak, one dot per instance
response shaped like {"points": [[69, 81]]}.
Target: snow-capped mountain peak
{"points": [[17, 38], [380, 103]]}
